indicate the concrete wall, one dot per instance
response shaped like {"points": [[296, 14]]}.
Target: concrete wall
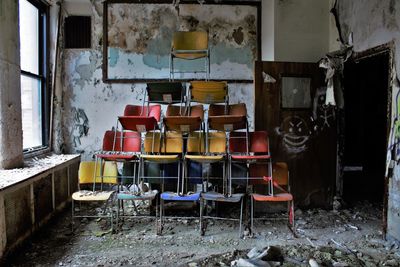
{"points": [[268, 30], [370, 23], [301, 30], [10, 88]]}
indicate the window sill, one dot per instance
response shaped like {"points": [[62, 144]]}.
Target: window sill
{"points": [[37, 152]]}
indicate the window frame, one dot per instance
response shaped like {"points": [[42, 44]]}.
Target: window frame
{"points": [[43, 76]]}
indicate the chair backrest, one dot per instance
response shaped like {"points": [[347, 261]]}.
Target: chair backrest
{"points": [[216, 142], [190, 40], [87, 174], [258, 142], [131, 141], [143, 111], [209, 91], [192, 111], [165, 92], [280, 173], [232, 110], [171, 143]]}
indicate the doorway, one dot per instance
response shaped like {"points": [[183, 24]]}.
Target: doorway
{"points": [[367, 95]]}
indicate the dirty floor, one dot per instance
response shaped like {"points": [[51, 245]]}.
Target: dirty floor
{"points": [[348, 237]]}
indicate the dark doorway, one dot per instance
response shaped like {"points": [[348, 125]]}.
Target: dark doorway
{"points": [[366, 120]]}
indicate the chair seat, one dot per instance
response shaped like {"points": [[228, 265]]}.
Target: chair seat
{"points": [[182, 123], [174, 196], [215, 196], [136, 123], [205, 159], [251, 157], [127, 195], [276, 198], [161, 158], [86, 195], [189, 54], [116, 156]]}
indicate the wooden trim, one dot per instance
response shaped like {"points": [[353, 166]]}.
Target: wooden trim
{"points": [[167, 80]]}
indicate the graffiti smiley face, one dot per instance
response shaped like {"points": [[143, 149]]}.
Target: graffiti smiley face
{"points": [[295, 134]]}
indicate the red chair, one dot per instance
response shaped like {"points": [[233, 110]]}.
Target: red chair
{"points": [[140, 118], [120, 145], [255, 154], [278, 180]]}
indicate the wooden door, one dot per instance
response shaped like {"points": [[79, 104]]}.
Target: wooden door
{"points": [[301, 129]]}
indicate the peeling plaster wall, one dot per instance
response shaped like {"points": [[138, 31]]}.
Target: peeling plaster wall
{"points": [[89, 107], [370, 23], [301, 30], [10, 88]]}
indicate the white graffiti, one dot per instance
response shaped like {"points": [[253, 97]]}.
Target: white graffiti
{"points": [[295, 134]]}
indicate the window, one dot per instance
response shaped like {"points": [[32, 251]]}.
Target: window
{"points": [[34, 92]]}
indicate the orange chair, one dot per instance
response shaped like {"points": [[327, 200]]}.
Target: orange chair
{"points": [[227, 118], [279, 179], [193, 121]]}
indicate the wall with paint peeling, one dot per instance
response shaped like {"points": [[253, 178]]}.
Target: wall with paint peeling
{"points": [[88, 106], [367, 24]]}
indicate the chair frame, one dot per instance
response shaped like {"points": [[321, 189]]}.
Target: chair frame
{"points": [[173, 55], [290, 206], [106, 201]]}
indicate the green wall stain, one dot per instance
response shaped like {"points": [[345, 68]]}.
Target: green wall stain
{"points": [[222, 52], [113, 56]]}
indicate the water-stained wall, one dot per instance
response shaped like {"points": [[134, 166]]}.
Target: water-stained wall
{"points": [[85, 107], [367, 24]]}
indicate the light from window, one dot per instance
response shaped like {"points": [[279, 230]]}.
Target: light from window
{"points": [[31, 80]]}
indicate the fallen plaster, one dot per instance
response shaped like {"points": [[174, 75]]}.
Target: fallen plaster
{"points": [[346, 237], [32, 167]]}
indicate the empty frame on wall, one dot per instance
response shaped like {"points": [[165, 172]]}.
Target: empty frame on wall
{"points": [[138, 36], [296, 92]]}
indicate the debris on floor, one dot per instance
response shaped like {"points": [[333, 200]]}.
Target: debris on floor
{"points": [[346, 237]]}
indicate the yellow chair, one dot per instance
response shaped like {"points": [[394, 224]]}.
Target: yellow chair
{"points": [[93, 174], [212, 150], [190, 45], [162, 150], [209, 92]]}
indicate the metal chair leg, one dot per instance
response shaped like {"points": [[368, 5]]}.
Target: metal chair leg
{"points": [[202, 229], [241, 218], [252, 214], [72, 218]]}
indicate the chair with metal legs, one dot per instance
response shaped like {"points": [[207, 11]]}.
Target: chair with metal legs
{"points": [[207, 155], [276, 182], [190, 45], [101, 177]]}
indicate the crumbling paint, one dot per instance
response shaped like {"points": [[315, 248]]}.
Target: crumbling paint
{"points": [[83, 89], [140, 36], [81, 125]]}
